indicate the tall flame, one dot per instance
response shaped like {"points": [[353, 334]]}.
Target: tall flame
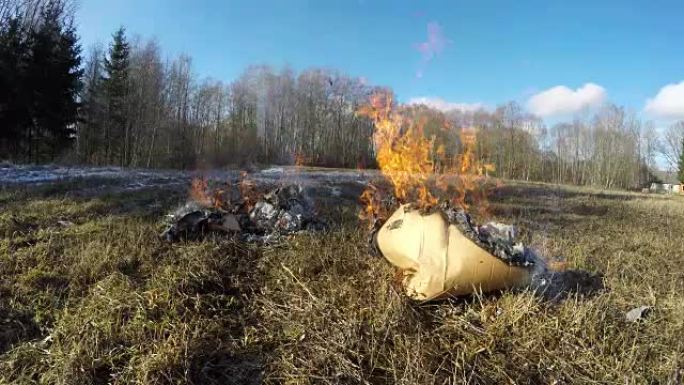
{"points": [[471, 173], [409, 159], [403, 153]]}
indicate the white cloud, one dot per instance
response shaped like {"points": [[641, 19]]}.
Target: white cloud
{"points": [[444, 106], [561, 100], [668, 103]]}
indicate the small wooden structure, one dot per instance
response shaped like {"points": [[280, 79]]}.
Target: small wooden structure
{"points": [[666, 182]]}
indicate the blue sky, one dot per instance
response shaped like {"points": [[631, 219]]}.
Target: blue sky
{"points": [[482, 51]]}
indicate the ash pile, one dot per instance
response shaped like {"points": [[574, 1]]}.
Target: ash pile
{"points": [[280, 212]]}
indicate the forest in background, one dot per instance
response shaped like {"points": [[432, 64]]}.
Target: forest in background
{"points": [[127, 104]]}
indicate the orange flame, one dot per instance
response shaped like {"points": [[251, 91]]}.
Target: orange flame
{"points": [[300, 160], [471, 173], [409, 159], [199, 192], [402, 151], [248, 190]]}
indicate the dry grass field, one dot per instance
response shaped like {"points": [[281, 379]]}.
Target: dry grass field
{"points": [[98, 298]]}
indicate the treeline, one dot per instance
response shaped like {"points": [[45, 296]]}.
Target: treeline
{"points": [[611, 148], [141, 111], [40, 73], [128, 105]]}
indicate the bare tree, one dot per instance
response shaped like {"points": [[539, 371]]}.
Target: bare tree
{"points": [[671, 146]]}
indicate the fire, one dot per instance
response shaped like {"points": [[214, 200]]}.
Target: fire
{"points": [[403, 152], [219, 198], [300, 160], [248, 190], [410, 159], [471, 173], [198, 191]]}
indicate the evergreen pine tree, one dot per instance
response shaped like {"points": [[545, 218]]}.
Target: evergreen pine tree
{"points": [[115, 85], [92, 112], [39, 82], [14, 114], [53, 81]]}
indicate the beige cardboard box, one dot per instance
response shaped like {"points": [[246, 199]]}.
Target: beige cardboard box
{"points": [[439, 260]]}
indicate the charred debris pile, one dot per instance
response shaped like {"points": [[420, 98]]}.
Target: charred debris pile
{"points": [[253, 217]]}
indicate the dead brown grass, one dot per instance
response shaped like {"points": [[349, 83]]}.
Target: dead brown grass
{"points": [[105, 301]]}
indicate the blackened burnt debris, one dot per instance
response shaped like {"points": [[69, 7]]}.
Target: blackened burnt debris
{"points": [[496, 238], [283, 211]]}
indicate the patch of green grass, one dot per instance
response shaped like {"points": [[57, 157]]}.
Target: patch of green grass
{"points": [[106, 301]]}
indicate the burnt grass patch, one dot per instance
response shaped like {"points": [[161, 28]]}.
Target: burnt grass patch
{"points": [[104, 300]]}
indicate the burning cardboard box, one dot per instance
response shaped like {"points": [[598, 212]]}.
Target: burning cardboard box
{"points": [[443, 254], [440, 251]]}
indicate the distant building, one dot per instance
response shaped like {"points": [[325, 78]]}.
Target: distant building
{"points": [[666, 182]]}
